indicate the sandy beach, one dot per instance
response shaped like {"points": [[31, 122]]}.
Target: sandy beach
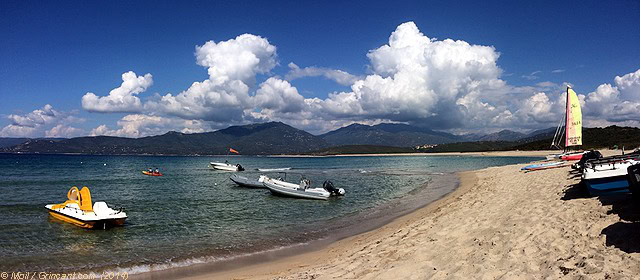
{"points": [[501, 223]]}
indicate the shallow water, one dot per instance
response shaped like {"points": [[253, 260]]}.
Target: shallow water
{"points": [[194, 214]]}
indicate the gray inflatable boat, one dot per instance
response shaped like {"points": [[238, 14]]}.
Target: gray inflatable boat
{"points": [[246, 182]]}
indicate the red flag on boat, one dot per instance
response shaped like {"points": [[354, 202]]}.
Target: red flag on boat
{"points": [[233, 151]]}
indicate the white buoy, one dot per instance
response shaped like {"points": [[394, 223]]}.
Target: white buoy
{"points": [[105, 164]]}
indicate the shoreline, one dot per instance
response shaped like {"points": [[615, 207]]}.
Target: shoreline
{"points": [[265, 264], [499, 223], [266, 258]]}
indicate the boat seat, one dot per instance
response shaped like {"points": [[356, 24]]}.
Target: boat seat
{"points": [[101, 208]]}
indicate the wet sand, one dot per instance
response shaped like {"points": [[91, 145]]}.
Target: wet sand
{"points": [[500, 223]]}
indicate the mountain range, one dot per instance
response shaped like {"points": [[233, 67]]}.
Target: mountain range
{"points": [[280, 138], [265, 138]]}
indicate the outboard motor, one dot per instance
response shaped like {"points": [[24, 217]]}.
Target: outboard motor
{"points": [[590, 155], [328, 186], [240, 168], [633, 173]]}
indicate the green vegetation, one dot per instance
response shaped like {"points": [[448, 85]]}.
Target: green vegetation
{"points": [[595, 138], [480, 146], [362, 149]]}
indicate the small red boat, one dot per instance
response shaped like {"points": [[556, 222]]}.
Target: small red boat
{"points": [[151, 173]]}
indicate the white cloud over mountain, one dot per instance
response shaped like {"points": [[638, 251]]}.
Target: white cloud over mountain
{"points": [[138, 125], [121, 99], [46, 122], [444, 84], [610, 104], [338, 76]]}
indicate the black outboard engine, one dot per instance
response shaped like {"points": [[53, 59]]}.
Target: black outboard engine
{"points": [[240, 168], [633, 173], [590, 155], [328, 186]]}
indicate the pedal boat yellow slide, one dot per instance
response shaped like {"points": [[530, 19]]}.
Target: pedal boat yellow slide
{"points": [[78, 210]]}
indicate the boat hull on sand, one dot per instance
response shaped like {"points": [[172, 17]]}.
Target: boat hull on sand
{"points": [[572, 156], [607, 179], [543, 165]]}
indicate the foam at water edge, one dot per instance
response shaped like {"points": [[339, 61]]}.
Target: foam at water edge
{"points": [[137, 269]]}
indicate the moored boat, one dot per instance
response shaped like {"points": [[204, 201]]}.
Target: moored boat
{"points": [[302, 190], [78, 210], [246, 182], [226, 166], [151, 173], [274, 169]]}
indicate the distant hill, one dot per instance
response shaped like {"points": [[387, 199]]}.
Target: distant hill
{"points": [[478, 146], [362, 149], [9, 141], [504, 135], [264, 138], [594, 138], [388, 134], [279, 138], [541, 134]]}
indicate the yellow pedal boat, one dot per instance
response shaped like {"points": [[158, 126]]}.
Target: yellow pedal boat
{"points": [[78, 210]]}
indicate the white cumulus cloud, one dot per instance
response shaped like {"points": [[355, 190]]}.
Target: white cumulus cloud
{"points": [[224, 96], [44, 122], [140, 125], [443, 84], [619, 104], [63, 131], [120, 99], [629, 85], [422, 80], [237, 59], [339, 76]]}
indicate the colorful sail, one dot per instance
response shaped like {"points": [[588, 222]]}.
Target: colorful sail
{"points": [[233, 151], [574, 120]]}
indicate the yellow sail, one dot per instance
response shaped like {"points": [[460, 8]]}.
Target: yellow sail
{"points": [[574, 120]]}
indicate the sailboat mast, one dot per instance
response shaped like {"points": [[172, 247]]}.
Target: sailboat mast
{"points": [[566, 120]]}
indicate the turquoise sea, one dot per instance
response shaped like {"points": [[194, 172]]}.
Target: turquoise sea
{"points": [[194, 214]]}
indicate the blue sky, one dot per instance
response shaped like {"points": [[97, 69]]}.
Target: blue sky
{"points": [[55, 52]]}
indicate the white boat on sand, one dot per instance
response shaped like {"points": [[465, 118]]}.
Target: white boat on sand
{"points": [[225, 166], [302, 190]]}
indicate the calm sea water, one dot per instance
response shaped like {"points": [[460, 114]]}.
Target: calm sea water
{"points": [[194, 214]]}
